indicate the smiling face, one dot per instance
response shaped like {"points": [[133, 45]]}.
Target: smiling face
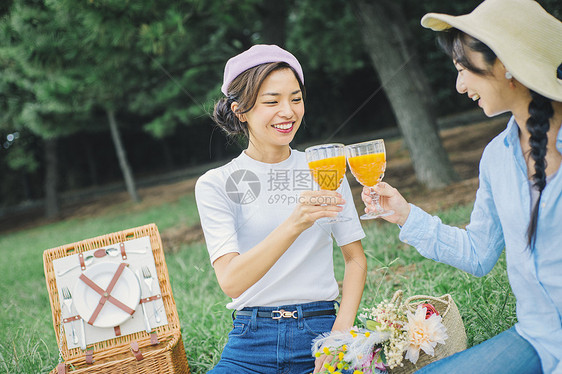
{"points": [[491, 89], [276, 115]]}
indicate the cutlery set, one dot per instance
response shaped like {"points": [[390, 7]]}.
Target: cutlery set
{"points": [[148, 280], [104, 298]]}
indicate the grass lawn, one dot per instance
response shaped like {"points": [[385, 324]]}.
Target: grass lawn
{"points": [[27, 339]]}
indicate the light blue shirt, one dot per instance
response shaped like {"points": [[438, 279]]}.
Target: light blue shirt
{"points": [[499, 220]]}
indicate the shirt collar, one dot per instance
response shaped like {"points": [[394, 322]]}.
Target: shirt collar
{"points": [[512, 135]]}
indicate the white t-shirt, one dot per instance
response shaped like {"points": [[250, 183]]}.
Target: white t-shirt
{"points": [[243, 201]]}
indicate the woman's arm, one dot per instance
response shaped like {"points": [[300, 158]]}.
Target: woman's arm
{"points": [[475, 249], [237, 272], [353, 284]]}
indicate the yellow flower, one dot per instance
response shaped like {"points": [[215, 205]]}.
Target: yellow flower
{"points": [[326, 351]]}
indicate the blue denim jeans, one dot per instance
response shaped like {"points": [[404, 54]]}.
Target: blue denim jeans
{"points": [[506, 353], [281, 346]]}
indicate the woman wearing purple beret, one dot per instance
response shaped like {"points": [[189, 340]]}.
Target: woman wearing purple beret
{"points": [[259, 213], [508, 54]]}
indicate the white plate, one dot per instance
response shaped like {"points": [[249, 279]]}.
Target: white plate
{"points": [[126, 290]]}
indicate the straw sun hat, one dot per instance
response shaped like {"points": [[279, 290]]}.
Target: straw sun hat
{"points": [[526, 39]]}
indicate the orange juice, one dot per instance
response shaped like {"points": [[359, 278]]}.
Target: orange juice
{"points": [[368, 169], [328, 172]]}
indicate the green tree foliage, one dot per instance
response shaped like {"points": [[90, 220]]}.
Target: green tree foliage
{"points": [[157, 66]]}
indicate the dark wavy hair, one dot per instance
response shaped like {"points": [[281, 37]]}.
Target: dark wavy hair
{"points": [[244, 90], [454, 42]]}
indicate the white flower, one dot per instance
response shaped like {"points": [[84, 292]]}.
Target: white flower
{"points": [[423, 333]]}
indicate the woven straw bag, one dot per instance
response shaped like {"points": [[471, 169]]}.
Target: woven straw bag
{"points": [[451, 319]]}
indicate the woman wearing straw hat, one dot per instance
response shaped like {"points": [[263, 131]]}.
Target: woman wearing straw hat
{"points": [[508, 54], [258, 214]]}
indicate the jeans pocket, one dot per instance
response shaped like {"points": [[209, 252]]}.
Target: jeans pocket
{"points": [[239, 327], [319, 325]]}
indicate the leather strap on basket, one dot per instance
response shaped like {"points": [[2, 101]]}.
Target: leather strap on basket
{"points": [[154, 338], [70, 319], [81, 259], [90, 356], [149, 299], [106, 294], [61, 368], [117, 330], [136, 351], [122, 248]]}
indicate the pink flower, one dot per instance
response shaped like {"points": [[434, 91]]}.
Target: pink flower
{"points": [[430, 310], [423, 333]]}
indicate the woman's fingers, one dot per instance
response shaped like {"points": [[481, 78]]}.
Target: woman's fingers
{"points": [[366, 196], [391, 199], [321, 198], [385, 189]]}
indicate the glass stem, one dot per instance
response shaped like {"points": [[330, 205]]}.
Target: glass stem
{"points": [[375, 200]]}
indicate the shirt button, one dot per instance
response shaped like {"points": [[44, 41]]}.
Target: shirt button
{"points": [[543, 205], [406, 241]]}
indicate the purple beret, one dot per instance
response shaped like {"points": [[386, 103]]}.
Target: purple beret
{"points": [[257, 55]]}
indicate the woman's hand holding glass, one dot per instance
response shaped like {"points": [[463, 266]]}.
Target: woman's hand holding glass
{"points": [[389, 198], [367, 162], [315, 205]]}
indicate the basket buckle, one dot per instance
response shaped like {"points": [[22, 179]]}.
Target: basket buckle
{"points": [[284, 314]]}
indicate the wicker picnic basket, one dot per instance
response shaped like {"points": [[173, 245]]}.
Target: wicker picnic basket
{"points": [[160, 352], [451, 319]]}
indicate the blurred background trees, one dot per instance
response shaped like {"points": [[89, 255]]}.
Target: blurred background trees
{"points": [[99, 92]]}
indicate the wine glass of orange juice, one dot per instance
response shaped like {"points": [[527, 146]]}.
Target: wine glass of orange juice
{"points": [[367, 162], [327, 164]]}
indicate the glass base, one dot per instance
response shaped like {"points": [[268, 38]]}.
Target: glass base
{"points": [[328, 220], [373, 215]]}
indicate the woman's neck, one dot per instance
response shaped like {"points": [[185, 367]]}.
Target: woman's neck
{"points": [[271, 155]]}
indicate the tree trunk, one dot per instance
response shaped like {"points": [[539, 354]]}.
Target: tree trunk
{"points": [[274, 20], [91, 161], [122, 157], [388, 44], [51, 178], [167, 152], [27, 195]]}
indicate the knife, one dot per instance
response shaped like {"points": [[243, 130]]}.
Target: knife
{"points": [[148, 329], [83, 335]]}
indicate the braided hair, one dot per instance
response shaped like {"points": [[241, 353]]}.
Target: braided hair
{"points": [[454, 42], [538, 124]]}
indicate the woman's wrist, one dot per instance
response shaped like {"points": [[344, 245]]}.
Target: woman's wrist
{"points": [[404, 216]]}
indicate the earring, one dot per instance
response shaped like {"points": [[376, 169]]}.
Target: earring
{"points": [[508, 75]]}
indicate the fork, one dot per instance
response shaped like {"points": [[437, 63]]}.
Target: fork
{"points": [[67, 300], [148, 280]]}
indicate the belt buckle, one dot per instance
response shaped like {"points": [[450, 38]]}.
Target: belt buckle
{"points": [[284, 314]]}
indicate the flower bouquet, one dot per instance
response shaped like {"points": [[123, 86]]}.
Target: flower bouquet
{"points": [[390, 337]]}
